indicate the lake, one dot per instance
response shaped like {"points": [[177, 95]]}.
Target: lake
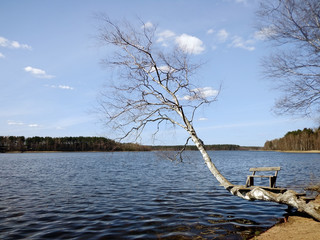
{"points": [[139, 195]]}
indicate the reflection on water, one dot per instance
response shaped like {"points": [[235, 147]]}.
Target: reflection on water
{"points": [[137, 195]]}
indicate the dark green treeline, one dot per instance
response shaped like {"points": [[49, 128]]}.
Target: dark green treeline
{"points": [[301, 140], [78, 144], [216, 147], [22, 144]]}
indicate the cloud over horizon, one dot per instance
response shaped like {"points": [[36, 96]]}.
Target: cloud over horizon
{"points": [[18, 123]]}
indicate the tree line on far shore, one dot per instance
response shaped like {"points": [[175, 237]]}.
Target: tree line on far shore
{"points": [[300, 140], [212, 147], [194, 148], [70, 144], [79, 144]]}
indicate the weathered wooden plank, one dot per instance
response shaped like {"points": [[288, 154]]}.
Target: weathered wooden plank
{"points": [[261, 176], [264, 169]]}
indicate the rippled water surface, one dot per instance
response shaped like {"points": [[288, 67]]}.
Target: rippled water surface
{"points": [[138, 195]]}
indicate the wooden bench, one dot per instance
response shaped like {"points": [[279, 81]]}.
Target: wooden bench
{"points": [[272, 178]]}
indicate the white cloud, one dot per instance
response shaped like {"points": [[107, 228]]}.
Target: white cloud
{"points": [[264, 33], [39, 73], [18, 123], [163, 69], [10, 122], [187, 43], [238, 42], [165, 35], [203, 119], [35, 71], [147, 25], [222, 35], [1, 55], [205, 92], [64, 87], [190, 44], [13, 44], [210, 31], [3, 42]]}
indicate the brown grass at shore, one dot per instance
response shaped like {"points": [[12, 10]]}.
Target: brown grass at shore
{"points": [[310, 151], [296, 227]]}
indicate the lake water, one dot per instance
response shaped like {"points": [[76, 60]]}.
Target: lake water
{"points": [[138, 195]]}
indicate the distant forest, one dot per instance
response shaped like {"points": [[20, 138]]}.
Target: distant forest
{"points": [[216, 147], [69, 144], [79, 144], [300, 140]]}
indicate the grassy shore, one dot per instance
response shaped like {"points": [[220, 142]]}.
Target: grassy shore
{"points": [[310, 151], [295, 227]]}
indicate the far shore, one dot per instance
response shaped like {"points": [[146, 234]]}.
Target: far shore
{"points": [[310, 151], [64, 151], [168, 149]]}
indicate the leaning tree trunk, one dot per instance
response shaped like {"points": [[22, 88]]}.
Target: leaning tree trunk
{"points": [[151, 95], [221, 179], [289, 197]]}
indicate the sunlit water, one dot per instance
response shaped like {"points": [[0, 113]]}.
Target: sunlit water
{"points": [[138, 195]]}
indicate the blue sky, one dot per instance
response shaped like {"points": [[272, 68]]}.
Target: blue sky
{"points": [[50, 73]]}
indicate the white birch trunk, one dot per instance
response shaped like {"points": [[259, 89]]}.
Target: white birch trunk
{"points": [[221, 179]]}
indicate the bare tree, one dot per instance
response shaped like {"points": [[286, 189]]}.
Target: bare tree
{"points": [[294, 28], [156, 87]]}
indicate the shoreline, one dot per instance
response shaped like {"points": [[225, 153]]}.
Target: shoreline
{"points": [[295, 227], [165, 150], [295, 151], [168, 150], [152, 150]]}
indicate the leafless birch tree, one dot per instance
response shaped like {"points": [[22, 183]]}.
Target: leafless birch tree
{"points": [[156, 86], [294, 28]]}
